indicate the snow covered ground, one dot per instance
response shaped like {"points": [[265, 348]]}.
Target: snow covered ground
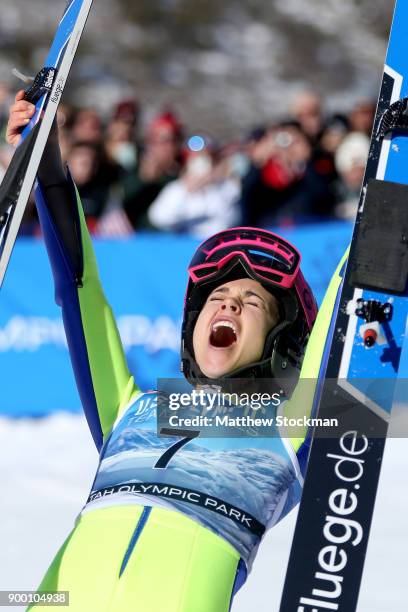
{"points": [[47, 468]]}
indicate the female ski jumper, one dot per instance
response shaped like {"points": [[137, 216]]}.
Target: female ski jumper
{"points": [[153, 536]]}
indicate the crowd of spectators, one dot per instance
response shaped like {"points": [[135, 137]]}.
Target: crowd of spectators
{"points": [[307, 167]]}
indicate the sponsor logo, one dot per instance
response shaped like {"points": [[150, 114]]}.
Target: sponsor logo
{"points": [[49, 80], [58, 91], [340, 531]]}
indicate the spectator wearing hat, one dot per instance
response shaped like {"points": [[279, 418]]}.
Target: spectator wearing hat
{"points": [[120, 138], [351, 159], [158, 164]]}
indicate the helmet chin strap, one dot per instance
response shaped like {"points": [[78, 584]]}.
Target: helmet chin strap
{"points": [[280, 375], [278, 370]]}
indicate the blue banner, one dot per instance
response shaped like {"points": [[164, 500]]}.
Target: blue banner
{"points": [[144, 280]]}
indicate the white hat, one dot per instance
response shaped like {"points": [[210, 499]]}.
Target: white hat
{"points": [[352, 152]]}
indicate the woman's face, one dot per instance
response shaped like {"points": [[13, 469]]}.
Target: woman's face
{"points": [[232, 327]]}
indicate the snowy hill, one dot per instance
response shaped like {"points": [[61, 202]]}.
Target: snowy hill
{"points": [[223, 65]]}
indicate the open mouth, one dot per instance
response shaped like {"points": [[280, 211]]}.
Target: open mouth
{"points": [[223, 334]]}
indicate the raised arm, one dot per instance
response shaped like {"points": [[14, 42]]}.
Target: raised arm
{"points": [[103, 379], [302, 402]]}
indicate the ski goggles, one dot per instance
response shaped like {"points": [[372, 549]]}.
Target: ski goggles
{"points": [[269, 257]]}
